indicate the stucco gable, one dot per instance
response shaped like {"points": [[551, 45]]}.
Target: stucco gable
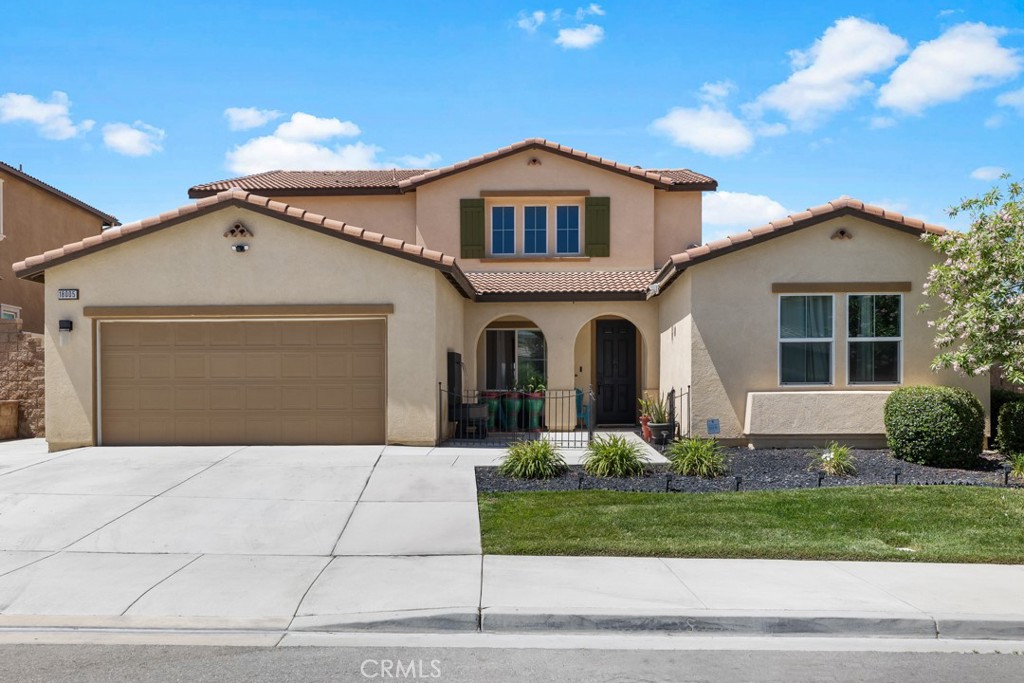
{"points": [[837, 208]]}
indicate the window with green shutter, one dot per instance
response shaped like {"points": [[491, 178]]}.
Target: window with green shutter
{"points": [[597, 226], [471, 234]]}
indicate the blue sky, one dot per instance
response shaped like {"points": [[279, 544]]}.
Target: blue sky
{"points": [[788, 104]]}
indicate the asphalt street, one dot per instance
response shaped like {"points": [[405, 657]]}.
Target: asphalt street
{"points": [[178, 664]]}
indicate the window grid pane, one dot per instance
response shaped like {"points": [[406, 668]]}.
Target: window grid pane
{"points": [[805, 317], [503, 230], [805, 362], [535, 226], [568, 229], [874, 345]]}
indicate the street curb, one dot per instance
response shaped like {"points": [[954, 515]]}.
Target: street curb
{"points": [[496, 620], [428, 620]]}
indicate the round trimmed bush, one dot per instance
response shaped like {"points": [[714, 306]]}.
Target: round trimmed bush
{"points": [[1011, 427], [937, 426]]}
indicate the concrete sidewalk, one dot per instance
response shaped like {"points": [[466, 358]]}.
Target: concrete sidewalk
{"points": [[313, 540]]}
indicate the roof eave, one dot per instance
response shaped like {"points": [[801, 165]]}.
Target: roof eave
{"points": [[106, 218]]}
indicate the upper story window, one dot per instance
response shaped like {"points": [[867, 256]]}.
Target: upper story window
{"points": [[503, 230], [568, 229], [805, 339], [874, 344], [8, 312], [1, 208], [535, 229]]}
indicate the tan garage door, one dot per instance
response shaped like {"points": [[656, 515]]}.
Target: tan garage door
{"points": [[242, 382]]}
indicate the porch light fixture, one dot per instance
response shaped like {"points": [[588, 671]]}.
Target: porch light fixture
{"points": [[64, 328]]}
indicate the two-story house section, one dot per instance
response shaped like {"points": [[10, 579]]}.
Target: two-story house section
{"points": [[35, 217], [313, 307]]}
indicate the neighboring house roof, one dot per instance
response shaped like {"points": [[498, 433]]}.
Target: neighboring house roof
{"points": [[561, 286], [21, 175], [844, 206], [34, 267], [397, 181]]}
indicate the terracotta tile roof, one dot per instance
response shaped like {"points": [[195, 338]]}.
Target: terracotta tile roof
{"points": [[34, 266], [106, 218], [562, 284], [843, 206], [678, 179], [407, 180], [295, 182]]}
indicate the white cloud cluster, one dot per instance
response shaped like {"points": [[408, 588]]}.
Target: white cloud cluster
{"points": [[307, 142], [570, 37], [727, 213], [246, 118], [837, 70], [833, 72], [52, 119], [580, 38], [965, 58], [987, 173], [136, 139]]}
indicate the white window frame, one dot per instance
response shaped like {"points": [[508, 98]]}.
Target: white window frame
{"points": [[858, 340], [6, 309], [2, 233], [547, 231], [579, 228], [816, 340], [515, 231]]}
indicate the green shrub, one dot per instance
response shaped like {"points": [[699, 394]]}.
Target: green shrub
{"points": [[999, 398], [1017, 465], [835, 460], [938, 426], [1011, 427], [614, 456], [696, 457], [532, 460]]}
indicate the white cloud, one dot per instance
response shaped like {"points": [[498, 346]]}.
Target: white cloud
{"points": [[1013, 99], [307, 128], [307, 142], [878, 122], [772, 130], [244, 118], [965, 58], [593, 8], [530, 22], [580, 38], [715, 93], [987, 173], [833, 72], [134, 140], [948, 12], [53, 118], [732, 212], [709, 130], [995, 121]]}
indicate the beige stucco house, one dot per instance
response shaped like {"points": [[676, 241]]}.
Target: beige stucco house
{"points": [[262, 314], [34, 217]]}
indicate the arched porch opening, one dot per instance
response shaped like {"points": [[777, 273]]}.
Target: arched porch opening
{"points": [[609, 359]]}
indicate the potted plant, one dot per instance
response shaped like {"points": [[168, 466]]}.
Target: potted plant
{"points": [[491, 399], [645, 418], [534, 398], [511, 404], [661, 429]]}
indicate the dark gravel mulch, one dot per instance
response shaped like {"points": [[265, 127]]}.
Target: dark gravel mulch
{"points": [[760, 469]]}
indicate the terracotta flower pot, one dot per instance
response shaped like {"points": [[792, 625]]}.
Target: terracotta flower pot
{"points": [[644, 421]]}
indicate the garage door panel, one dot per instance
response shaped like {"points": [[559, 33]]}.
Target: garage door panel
{"points": [[251, 382]]}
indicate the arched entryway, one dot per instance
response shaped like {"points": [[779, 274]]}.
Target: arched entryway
{"points": [[609, 357]]}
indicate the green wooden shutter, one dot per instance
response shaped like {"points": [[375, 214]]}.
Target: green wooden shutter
{"points": [[471, 233], [597, 226]]}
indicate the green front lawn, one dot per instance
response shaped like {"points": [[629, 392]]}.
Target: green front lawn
{"points": [[939, 524]]}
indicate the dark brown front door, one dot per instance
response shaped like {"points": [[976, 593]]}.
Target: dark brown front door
{"points": [[616, 372]]}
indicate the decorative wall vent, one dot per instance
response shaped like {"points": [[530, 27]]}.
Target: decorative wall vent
{"points": [[238, 231], [842, 234], [533, 162]]}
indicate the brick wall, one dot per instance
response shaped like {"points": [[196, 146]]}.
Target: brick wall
{"points": [[21, 375]]}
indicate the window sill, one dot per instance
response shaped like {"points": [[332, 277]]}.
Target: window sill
{"points": [[534, 259]]}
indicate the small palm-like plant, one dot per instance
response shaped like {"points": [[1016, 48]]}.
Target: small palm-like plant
{"points": [[697, 457], [532, 460], [836, 460], [614, 456], [1017, 465]]}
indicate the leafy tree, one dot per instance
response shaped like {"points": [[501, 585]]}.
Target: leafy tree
{"points": [[981, 286]]}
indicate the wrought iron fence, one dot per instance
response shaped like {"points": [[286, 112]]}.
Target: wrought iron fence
{"points": [[679, 410], [497, 418]]}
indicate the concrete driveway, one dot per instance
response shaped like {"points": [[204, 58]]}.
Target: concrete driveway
{"points": [[236, 536]]}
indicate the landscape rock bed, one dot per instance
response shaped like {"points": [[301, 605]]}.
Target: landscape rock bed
{"points": [[760, 470]]}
